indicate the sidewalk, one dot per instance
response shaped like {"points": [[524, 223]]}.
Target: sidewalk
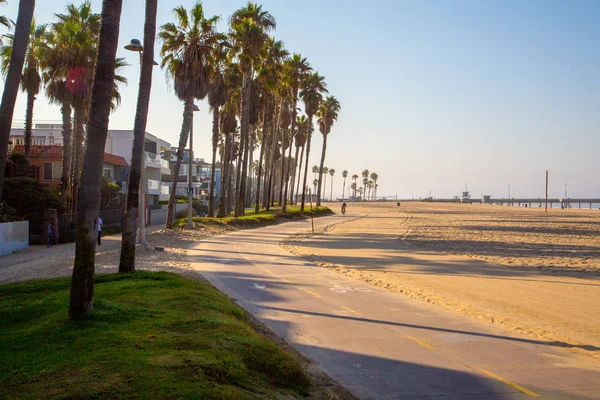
{"points": [[43, 262]]}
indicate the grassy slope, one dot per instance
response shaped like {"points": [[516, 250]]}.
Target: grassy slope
{"points": [[262, 218], [152, 335]]}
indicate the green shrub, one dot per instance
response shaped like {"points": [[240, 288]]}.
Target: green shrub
{"points": [[18, 158], [184, 213], [29, 198]]}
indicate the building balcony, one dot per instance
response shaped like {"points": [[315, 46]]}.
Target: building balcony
{"points": [[152, 160], [164, 167], [154, 187]]}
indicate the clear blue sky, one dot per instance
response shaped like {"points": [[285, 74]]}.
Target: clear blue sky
{"points": [[434, 94]]}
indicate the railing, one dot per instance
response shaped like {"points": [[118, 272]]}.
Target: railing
{"points": [[152, 160], [67, 223], [19, 170]]}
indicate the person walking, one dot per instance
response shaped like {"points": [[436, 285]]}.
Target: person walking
{"points": [[50, 235], [99, 226]]}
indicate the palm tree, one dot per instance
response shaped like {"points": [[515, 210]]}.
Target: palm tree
{"points": [[344, 175], [31, 79], [328, 114], [271, 102], [228, 127], [365, 175], [315, 183], [313, 88], [82, 287], [332, 173], [374, 177], [354, 188], [72, 43], [11, 84], [217, 96], [370, 187], [129, 225], [300, 141], [248, 33], [296, 68], [185, 51], [354, 177], [315, 171]]}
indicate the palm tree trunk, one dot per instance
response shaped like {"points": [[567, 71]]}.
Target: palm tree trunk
{"points": [[299, 172], [294, 176], [229, 179], [287, 176], [273, 153], [13, 78], [250, 166], [308, 138], [265, 133], [82, 287], [79, 126], [66, 160], [129, 226], [282, 177], [29, 123], [245, 132], [344, 189], [224, 176], [215, 143], [331, 194], [188, 109], [321, 169]]}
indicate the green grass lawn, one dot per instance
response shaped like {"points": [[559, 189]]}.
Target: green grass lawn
{"points": [[262, 218], [151, 336]]}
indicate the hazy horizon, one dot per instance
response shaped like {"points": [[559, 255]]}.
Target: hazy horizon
{"points": [[434, 95]]}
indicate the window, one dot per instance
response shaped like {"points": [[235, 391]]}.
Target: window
{"points": [[107, 173], [52, 171]]}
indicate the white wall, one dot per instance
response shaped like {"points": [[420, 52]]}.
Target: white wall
{"points": [[14, 236]]}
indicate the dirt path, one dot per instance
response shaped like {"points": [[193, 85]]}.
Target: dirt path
{"points": [[549, 304]]}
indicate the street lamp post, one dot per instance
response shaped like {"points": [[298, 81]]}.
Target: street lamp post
{"points": [[136, 46], [190, 223]]}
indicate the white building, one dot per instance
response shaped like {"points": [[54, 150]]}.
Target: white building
{"points": [[118, 142]]}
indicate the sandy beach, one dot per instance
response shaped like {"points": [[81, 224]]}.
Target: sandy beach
{"points": [[531, 273]]}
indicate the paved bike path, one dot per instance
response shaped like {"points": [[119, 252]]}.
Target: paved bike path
{"points": [[378, 344]]}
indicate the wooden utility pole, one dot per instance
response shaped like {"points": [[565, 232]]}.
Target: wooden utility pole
{"points": [[546, 191]]}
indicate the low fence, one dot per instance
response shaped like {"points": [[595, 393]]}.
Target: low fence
{"points": [[14, 236], [67, 223]]}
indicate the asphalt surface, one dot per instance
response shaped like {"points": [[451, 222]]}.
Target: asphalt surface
{"points": [[379, 344]]}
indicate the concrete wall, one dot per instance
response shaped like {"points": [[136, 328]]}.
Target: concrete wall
{"points": [[14, 236]]}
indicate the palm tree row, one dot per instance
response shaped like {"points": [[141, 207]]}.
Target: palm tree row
{"points": [[254, 86]]}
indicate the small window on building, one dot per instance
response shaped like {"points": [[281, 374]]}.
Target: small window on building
{"points": [[107, 173], [52, 171]]}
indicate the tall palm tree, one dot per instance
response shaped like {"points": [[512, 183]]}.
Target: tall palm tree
{"points": [[72, 42], [296, 68], [185, 51], [344, 175], [228, 127], [365, 175], [327, 115], [354, 177], [31, 79], [313, 88], [11, 84], [129, 225], [332, 173], [249, 27], [267, 82], [300, 141], [374, 177], [217, 96], [315, 183], [315, 171], [82, 287]]}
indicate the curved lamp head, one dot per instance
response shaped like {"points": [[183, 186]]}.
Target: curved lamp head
{"points": [[135, 45]]}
